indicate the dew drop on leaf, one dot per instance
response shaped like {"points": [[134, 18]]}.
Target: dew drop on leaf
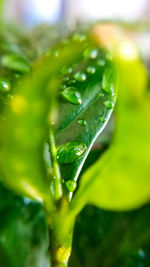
{"points": [[71, 185], [82, 122], [109, 89], [80, 76], [107, 86], [91, 53], [102, 119], [66, 70], [72, 95], [109, 104], [4, 85], [91, 69], [70, 152], [15, 62]]}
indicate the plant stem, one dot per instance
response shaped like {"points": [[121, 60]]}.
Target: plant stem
{"points": [[57, 185], [60, 233]]}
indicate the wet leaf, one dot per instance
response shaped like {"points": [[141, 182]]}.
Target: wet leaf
{"points": [[120, 179]]}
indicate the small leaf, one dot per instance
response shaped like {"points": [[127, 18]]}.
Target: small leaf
{"points": [[120, 180], [92, 113]]}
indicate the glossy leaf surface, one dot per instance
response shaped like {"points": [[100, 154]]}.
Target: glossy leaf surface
{"points": [[84, 121], [120, 179]]}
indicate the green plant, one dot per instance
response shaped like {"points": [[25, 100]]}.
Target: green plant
{"points": [[52, 111]]}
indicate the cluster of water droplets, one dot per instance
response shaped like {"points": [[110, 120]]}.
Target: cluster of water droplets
{"points": [[73, 77], [77, 74]]}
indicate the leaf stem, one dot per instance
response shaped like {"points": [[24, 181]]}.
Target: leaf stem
{"points": [[57, 185]]}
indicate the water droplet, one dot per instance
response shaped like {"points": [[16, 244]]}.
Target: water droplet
{"points": [[71, 185], [91, 69], [4, 85], [109, 89], [15, 62], [102, 119], [66, 70], [72, 95], [101, 62], [91, 53], [70, 152], [80, 76], [107, 85], [82, 122], [109, 104]]}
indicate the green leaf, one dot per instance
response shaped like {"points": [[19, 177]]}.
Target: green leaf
{"points": [[120, 180], [85, 105], [24, 133]]}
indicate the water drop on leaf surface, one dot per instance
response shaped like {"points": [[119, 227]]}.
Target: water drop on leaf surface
{"points": [[4, 85], [80, 76], [71, 185], [102, 119], [107, 85], [82, 122], [91, 53], [91, 69], [65, 70], [70, 152], [109, 104], [72, 95]]}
